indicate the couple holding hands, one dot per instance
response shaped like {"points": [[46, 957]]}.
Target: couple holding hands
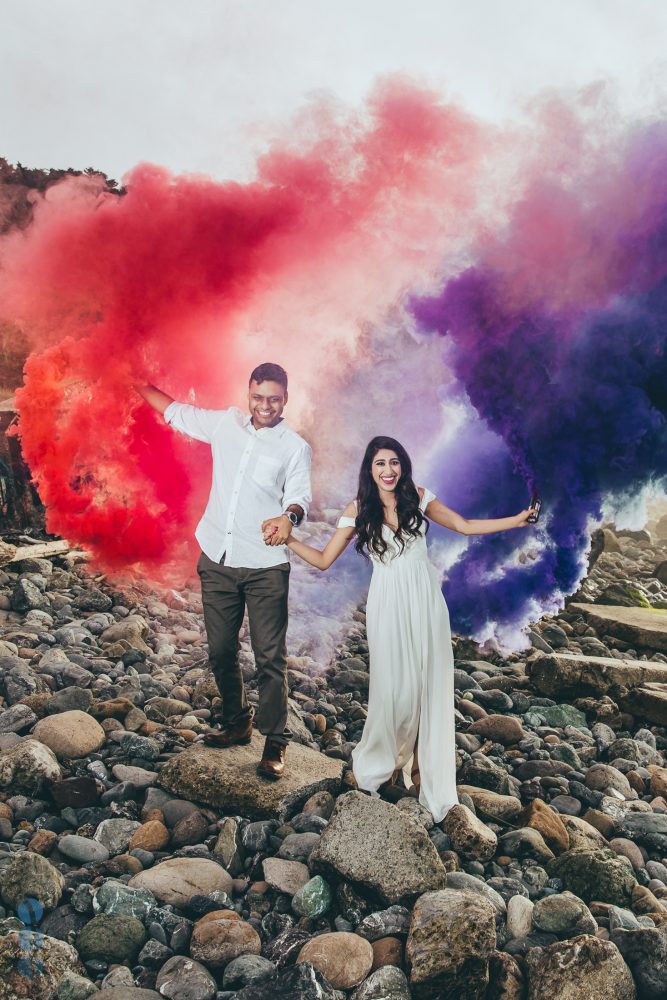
{"points": [[260, 491]]}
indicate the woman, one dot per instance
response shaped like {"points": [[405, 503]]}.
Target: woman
{"points": [[411, 691]]}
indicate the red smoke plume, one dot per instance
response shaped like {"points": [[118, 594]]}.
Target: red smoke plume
{"points": [[189, 283]]}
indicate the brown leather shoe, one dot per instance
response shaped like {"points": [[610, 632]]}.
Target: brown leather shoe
{"points": [[272, 764], [230, 736]]}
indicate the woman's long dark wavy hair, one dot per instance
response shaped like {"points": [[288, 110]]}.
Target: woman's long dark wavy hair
{"points": [[370, 514]]}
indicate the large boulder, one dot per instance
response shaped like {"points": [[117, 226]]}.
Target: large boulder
{"points": [[451, 937], [645, 951], [595, 875], [30, 876], [227, 779], [32, 965], [29, 767], [579, 969], [378, 848], [564, 675]]}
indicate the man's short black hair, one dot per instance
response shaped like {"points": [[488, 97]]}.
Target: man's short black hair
{"points": [[269, 372]]}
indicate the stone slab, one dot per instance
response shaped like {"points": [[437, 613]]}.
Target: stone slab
{"points": [[642, 627], [565, 675], [380, 849], [228, 779]]}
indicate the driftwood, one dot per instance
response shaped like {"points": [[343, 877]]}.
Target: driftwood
{"points": [[40, 550]]}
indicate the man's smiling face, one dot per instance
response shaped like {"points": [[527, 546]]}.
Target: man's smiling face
{"points": [[266, 402]]}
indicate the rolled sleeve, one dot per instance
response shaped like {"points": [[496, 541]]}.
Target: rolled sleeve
{"points": [[194, 421], [298, 489]]}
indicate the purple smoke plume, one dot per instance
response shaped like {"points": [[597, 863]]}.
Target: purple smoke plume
{"points": [[567, 375]]}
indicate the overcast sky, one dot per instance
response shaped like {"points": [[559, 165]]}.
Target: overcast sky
{"points": [[198, 85]]}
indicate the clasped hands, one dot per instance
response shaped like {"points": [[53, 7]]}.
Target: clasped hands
{"points": [[276, 530]]}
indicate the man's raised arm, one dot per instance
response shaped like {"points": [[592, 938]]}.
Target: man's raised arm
{"points": [[154, 397]]}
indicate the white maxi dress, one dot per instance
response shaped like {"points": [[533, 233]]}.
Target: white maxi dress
{"points": [[411, 690]]}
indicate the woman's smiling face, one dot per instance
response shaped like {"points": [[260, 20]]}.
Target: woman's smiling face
{"points": [[386, 470]]}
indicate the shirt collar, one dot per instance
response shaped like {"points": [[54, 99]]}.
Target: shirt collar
{"points": [[278, 430]]}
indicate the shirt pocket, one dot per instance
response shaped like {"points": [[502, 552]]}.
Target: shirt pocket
{"points": [[267, 472]]}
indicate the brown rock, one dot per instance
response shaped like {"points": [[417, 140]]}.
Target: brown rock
{"points": [[387, 951], [152, 836], [628, 849], [285, 876], [71, 734], [582, 836], [492, 804], [111, 726], [77, 792], [506, 978], [469, 836], [148, 728], [636, 782], [541, 817], [129, 633], [603, 776], [43, 842], [452, 935], [320, 804], [475, 711], [190, 829], [177, 880], [216, 942], [218, 915], [343, 959], [658, 779], [644, 902], [580, 968], [149, 815], [160, 708], [131, 865], [503, 729], [603, 823], [116, 708]]}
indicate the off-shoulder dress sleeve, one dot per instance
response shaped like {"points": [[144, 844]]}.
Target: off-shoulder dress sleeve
{"points": [[426, 499], [346, 522]]}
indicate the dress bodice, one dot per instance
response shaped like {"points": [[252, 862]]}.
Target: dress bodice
{"points": [[414, 548]]}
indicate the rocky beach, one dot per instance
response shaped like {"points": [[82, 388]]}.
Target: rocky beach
{"points": [[138, 863]]}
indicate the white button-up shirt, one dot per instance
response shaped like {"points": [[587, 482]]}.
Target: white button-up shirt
{"points": [[256, 474]]}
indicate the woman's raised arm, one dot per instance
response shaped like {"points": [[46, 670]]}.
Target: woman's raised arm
{"points": [[436, 511], [323, 558]]}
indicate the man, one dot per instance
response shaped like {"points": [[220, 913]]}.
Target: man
{"points": [[260, 491]]}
